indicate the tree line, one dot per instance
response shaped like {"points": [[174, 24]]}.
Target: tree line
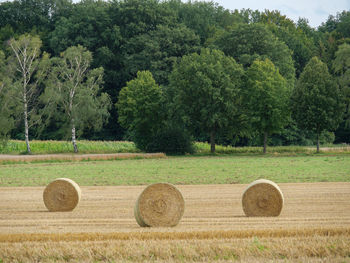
{"points": [[164, 73]]}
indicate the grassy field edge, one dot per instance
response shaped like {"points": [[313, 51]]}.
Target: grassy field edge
{"points": [[16, 147]]}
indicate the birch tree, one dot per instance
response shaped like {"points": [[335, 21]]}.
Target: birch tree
{"points": [[73, 93], [28, 69]]}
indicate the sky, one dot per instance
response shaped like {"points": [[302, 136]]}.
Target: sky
{"points": [[316, 11]]}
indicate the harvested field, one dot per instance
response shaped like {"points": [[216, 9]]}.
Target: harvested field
{"points": [[314, 226]]}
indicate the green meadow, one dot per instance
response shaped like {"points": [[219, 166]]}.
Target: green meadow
{"points": [[220, 169]]}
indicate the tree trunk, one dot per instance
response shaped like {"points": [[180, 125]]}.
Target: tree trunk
{"points": [[318, 142], [212, 141], [26, 126], [265, 142], [74, 142]]}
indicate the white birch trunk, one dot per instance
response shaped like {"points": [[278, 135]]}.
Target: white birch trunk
{"points": [[25, 113], [74, 142], [26, 126]]}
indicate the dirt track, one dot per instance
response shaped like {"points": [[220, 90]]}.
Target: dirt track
{"points": [[208, 207]]}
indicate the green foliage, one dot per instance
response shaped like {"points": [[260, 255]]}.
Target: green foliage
{"points": [[267, 97], [205, 92], [140, 108], [248, 42], [24, 15], [73, 93], [142, 113], [204, 18], [339, 23], [26, 70], [202, 148], [6, 120], [54, 147], [158, 50], [141, 16], [298, 38], [171, 140], [317, 101], [133, 35], [341, 66], [292, 135], [89, 25]]}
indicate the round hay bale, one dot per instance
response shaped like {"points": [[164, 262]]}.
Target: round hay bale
{"points": [[62, 194], [159, 204], [262, 198]]}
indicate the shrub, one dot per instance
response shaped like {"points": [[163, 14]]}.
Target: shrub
{"points": [[170, 140]]}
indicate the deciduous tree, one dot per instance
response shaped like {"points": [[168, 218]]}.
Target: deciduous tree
{"points": [[73, 93], [6, 120], [28, 69], [248, 42], [158, 50], [341, 66], [317, 101], [205, 92], [267, 97], [140, 108]]}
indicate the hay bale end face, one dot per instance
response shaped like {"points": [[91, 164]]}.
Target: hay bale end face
{"points": [[61, 195], [262, 198], [159, 205]]}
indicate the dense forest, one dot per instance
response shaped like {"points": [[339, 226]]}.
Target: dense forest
{"points": [[153, 71]]}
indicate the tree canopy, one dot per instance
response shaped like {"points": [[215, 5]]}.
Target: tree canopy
{"points": [[140, 108], [205, 91], [127, 36], [27, 69], [318, 104], [6, 120], [267, 97], [248, 42], [74, 95]]}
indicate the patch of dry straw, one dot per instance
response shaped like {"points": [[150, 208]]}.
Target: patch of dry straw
{"points": [[188, 235], [262, 198], [61, 195], [159, 204]]}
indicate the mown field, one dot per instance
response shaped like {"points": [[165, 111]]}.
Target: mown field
{"points": [[314, 225], [223, 169]]}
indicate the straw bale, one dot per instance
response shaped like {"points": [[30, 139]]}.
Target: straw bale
{"points": [[262, 198], [62, 194], [159, 204]]}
